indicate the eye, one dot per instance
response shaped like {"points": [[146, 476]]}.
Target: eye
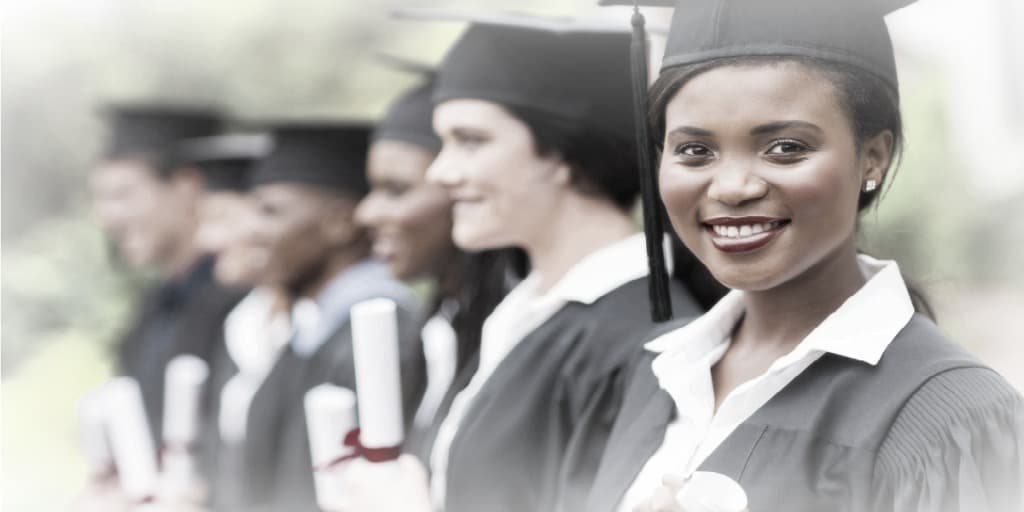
{"points": [[693, 154], [788, 149], [468, 140]]}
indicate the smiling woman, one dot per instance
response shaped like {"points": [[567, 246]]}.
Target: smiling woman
{"points": [[814, 384]]}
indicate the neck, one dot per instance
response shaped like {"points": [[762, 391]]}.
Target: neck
{"points": [[786, 314], [580, 226], [185, 255], [336, 263]]}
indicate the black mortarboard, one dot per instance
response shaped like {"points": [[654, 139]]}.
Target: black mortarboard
{"points": [[410, 117], [848, 32], [327, 154], [568, 68], [224, 160], [151, 131]]}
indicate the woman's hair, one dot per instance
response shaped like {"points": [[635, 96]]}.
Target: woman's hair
{"points": [[483, 280], [602, 164], [871, 106]]}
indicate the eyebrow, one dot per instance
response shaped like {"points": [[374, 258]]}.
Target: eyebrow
{"points": [[763, 129], [783, 125]]}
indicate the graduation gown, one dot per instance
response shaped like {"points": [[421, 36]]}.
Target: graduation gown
{"points": [[272, 468], [929, 428], [182, 316], [510, 448]]}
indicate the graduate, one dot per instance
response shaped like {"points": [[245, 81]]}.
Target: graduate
{"points": [[538, 153], [147, 195], [410, 222], [815, 384], [306, 191]]}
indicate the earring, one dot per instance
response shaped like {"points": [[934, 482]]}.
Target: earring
{"points": [[870, 186]]}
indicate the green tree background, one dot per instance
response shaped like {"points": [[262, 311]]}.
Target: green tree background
{"points": [[64, 301]]}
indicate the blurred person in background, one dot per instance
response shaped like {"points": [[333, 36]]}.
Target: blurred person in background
{"points": [[410, 222], [147, 195], [305, 194]]}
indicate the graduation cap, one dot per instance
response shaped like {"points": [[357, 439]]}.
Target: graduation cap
{"points": [[318, 153], [151, 131], [410, 117], [701, 30], [565, 67], [224, 160]]}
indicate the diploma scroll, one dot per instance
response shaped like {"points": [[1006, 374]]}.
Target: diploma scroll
{"points": [[92, 432], [131, 441], [706, 491], [378, 379], [330, 418], [183, 385]]}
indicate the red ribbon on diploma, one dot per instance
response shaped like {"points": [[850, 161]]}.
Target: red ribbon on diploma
{"points": [[351, 440]]}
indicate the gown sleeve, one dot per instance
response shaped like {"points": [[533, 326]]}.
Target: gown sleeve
{"points": [[957, 445]]}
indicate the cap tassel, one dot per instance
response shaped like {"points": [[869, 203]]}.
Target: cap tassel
{"points": [[654, 227]]}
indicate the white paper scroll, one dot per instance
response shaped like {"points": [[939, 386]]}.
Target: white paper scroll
{"points": [[706, 491], [92, 432], [378, 380], [130, 439], [330, 415], [183, 385]]}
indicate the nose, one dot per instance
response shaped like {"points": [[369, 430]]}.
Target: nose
{"points": [[736, 184], [369, 211], [443, 172]]}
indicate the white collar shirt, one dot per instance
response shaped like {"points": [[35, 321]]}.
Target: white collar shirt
{"points": [[522, 311], [861, 329]]}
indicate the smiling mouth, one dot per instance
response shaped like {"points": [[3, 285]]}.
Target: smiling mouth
{"points": [[743, 234]]}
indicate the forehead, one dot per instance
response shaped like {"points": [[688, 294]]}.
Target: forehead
{"points": [[466, 112], [394, 159], [744, 94]]}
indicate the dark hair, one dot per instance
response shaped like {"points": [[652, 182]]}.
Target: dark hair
{"points": [[483, 280], [602, 163], [870, 104]]}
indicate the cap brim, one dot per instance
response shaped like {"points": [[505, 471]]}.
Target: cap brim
{"points": [[514, 20]]}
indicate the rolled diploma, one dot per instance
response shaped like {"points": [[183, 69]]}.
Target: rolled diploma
{"points": [[130, 439], [183, 384], [92, 433], [378, 380], [330, 415], [706, 491]]}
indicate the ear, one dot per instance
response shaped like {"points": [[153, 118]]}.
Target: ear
{"points": [[561, 173], [876, 156], [187, 180], [338, 222]]}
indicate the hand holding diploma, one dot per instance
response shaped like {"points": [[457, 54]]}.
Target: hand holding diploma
{"points": [[703, 491], [131, 442], [399, 486]]}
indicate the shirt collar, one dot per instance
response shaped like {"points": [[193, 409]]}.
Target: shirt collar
{"points": [[601, 271], [861, 328], [316, 320]]}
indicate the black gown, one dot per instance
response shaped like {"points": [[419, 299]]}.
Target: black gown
{"points": [[927, 429], [512, 444], [272, 468], [182, 316]]}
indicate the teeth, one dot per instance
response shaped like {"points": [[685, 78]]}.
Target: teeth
{"points": [[744, 230]]}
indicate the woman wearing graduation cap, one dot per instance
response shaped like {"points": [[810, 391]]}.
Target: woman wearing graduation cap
{"points": [[410, 222], [814, 385], [538, 153]]}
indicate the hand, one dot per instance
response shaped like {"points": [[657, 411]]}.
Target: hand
{"points": [[397, 486], [101, 496], [664, 497]]}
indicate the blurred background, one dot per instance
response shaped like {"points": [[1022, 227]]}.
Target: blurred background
{"points": [[953, 217]]}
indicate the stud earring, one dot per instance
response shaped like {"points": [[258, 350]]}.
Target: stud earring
{"points": [[870, 186]]}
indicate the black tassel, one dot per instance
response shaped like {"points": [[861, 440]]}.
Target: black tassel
{"points": [[654, 226]]}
